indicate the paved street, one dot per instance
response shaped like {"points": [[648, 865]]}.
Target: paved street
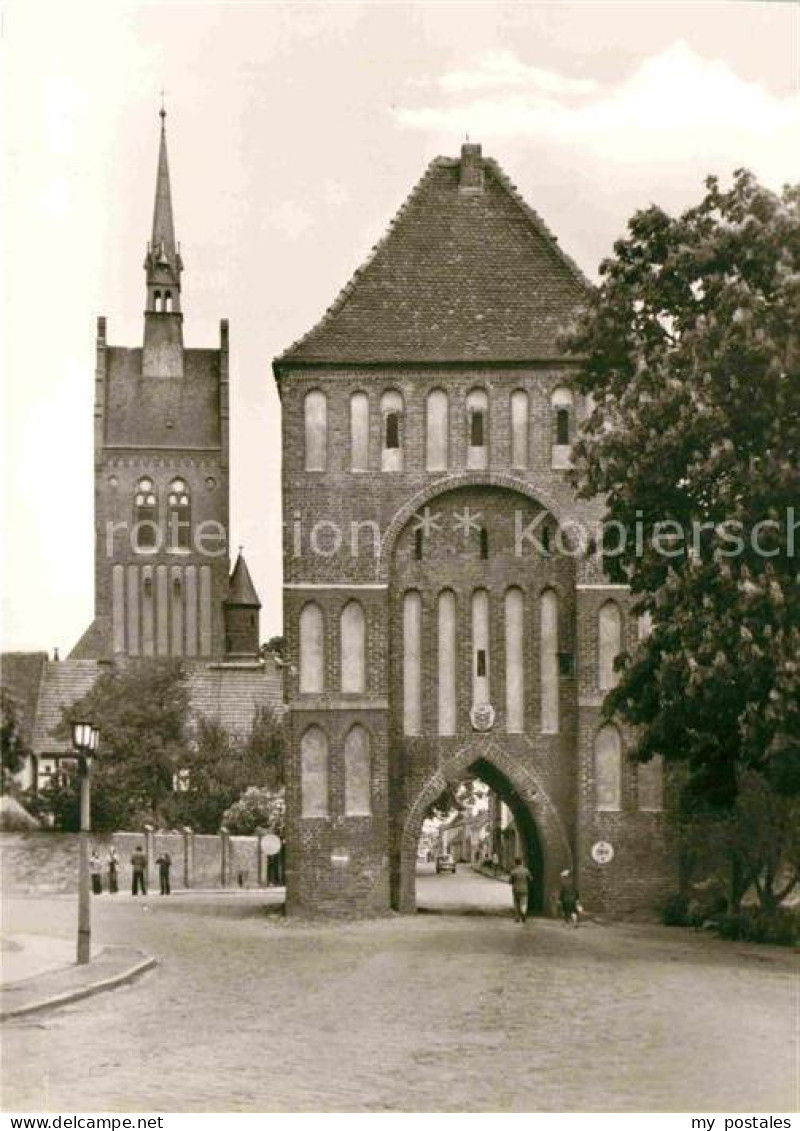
{"points": [[248, 1012], [464, 892]]}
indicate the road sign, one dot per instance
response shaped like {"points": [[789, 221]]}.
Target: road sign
{"points": [[602, 852], [270, 844]]}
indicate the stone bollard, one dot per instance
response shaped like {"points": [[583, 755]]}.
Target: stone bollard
{"points": [[188, 856], [225, 845], [150, 852], [260, 860]]}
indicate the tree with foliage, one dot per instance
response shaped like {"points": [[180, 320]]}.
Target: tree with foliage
{"points": [[257, 808], [455, 799], [265, 745], [221, 766], [689, 351], [12, 745], [141, 710], [276, 646], [762, 834]]}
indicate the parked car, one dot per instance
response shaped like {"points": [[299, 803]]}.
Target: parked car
{"points": [[445, 863]]}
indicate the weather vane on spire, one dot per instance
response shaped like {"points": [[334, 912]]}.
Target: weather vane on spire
{"points": [[162, 112]]}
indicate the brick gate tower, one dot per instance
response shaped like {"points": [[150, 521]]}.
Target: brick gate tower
{"points": [[440, 622]]}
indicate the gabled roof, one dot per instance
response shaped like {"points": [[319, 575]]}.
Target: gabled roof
{"points": [[62, 684], [241, 590], [21, 676], [466, 272]]}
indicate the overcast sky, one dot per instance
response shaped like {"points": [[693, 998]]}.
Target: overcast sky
{"points": [[295, 132]]}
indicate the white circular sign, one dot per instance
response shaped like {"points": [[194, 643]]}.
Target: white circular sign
{"points": [[602, 852], [270, 844], [482, 716]]}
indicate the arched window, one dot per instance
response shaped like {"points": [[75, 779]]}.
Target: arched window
{"points": [[312, 649], [650, 785], [436, 430], [145, 515], [157, 301], [412, 663], [515, 668], [179, 515], [519, 428], [561, 403], [477, 428], [609, 644], [447, 662], [316, 427], [548, 656], [392, 423], [314, 772], [480, 647], [167, 302], [357, 773], [608, 769], [359, 432], [353, 635]]}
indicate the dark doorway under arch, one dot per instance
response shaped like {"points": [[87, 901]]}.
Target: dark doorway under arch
{"points": [[544, 844], [530, 844]]}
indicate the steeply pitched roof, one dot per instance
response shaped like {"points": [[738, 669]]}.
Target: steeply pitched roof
{"points": [[62, 684], [466, 272], [228, 692], [241, 590], [21, 676], [163, 224]]}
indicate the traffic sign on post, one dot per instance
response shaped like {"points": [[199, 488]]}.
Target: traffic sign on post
{"points": [[270, 844]]}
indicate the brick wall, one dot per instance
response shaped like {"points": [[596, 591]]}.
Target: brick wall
{"points": [[45, 862]]}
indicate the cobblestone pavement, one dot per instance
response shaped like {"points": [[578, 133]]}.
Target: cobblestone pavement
{"points": [[248, 1012]]}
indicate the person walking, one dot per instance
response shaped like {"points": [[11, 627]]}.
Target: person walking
{"points": [[520, 879], [139, 866], [113, 871], [569, 900], [96, 872], [164, 862]]}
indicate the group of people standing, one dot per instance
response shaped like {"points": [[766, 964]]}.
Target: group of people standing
{"points": [[138, 872], [568, 898]]}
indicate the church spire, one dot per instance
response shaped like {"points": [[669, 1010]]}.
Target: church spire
{"points": [[163, 329], [163, 261]]}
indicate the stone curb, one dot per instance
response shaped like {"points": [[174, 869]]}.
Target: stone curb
{"points": [[79, 992]]}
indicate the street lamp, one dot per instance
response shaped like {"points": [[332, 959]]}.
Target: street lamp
{"points": [[85, 737]]}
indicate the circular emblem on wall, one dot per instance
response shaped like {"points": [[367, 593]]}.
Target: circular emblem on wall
{"points": [[270, 844], [602, 852], [482, 716]]}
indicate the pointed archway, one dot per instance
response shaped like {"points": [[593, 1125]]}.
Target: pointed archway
{"points": [[486, 757]]}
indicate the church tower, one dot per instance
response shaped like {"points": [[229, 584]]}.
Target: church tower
{"points": [[161, 474]]}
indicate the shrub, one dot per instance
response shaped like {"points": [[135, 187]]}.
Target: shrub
{"points": [[781, 928], [676, 911]]}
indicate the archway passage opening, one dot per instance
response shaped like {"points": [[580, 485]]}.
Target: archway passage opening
{"points": [[464, 857]]}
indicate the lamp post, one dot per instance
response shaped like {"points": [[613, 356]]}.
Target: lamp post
{"points": [[84, 740]]}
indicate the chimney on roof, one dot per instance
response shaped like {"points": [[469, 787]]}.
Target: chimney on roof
{"points": [[471, 178]]}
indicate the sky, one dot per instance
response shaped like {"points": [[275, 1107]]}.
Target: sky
{"points": [[295, 133]]}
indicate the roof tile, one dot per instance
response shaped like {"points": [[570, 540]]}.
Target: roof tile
{"points": [[459, 276]]}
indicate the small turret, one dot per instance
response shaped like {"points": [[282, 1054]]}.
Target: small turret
{"points": [[242, 613]]}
